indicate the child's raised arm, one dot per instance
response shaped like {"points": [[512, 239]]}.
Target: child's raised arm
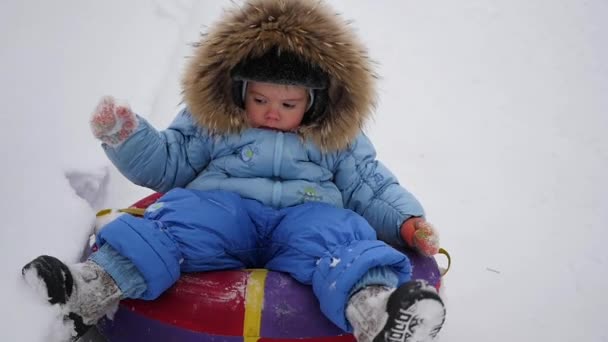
{"points": [[156, 160]]}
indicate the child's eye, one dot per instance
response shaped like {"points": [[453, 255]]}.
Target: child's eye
{"points": [[258, 100], [288, 105]]}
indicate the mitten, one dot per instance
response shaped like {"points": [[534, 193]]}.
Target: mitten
{"points": [[420, 235], [112, 123]]}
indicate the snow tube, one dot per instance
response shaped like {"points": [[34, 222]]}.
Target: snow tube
{"points": [[235, 305]]}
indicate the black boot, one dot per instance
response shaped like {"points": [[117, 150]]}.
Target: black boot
{"points": [[85, 292], [415, 314]]}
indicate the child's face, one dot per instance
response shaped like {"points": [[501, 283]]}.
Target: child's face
{"points": [[275, 106]]}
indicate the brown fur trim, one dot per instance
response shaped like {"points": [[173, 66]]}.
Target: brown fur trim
{"points": [[306, 27]]}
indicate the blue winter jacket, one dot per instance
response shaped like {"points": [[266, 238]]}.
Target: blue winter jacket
{"points": [[276, 168]]}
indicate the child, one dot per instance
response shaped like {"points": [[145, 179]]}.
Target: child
{"points": [[265, 167]]}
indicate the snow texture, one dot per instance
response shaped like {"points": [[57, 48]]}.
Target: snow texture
{"points": [[334, 262], [493, 113], [38, 286], [95, 295], [366, 311], [102, 220]]}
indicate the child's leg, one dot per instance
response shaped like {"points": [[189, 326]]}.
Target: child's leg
{"points": [[89, 290], [183, 231], [84, 291], [332, 249], [336, 251]]}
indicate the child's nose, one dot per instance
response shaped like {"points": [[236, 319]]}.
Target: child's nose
{"points": [[272, 113]]}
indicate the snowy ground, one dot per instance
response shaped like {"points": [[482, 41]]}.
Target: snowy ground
{"points": [[494, 113]]}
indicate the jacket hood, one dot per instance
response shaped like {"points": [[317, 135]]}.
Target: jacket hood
{"points": [[307, 28]]}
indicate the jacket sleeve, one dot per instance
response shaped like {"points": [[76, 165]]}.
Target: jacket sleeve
{"points": [[163, 160], [371, 190]]}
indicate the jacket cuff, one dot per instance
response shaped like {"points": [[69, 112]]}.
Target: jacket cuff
{"points": [[408, 228]]}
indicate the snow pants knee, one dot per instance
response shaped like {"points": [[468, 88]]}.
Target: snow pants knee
{"points": [[192, 231]]}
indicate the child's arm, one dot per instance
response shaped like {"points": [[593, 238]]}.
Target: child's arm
{"points": [[157, 160], [371, 190]]}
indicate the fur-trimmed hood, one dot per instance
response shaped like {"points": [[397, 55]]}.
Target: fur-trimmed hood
{"points": [[308, 28]]}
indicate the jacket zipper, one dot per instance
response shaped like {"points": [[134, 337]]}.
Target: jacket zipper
{"points": [[276, 169]]}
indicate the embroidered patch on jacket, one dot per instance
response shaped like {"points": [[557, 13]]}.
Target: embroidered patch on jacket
{"points": [[378, 177], [248, 153], [309, 194]]}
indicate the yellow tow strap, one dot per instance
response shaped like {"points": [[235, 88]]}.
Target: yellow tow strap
{"points": [[132, 211], [447, 255]]}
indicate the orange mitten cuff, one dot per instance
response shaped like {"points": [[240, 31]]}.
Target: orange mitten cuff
{"points": [[408, 229]]}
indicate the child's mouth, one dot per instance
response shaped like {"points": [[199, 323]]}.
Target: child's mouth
{"points": [[268, 127]]}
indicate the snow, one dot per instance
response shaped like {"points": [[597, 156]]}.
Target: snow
{"points": [[493, 113], [365, 314], [30, 276], [334, 262], [97, 293]]}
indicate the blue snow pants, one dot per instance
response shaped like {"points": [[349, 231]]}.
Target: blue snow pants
{"points": [[192, 231]]}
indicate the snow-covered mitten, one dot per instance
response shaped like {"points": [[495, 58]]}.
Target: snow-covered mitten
{"points": [[412, 313], [84, 291], [113, 123], [421, 235]]}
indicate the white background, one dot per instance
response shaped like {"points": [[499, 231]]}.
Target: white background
{"points": [[493, 113]]}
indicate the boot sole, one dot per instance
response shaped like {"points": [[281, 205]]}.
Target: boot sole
{"points": [[415, 314], [57, 279]]}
